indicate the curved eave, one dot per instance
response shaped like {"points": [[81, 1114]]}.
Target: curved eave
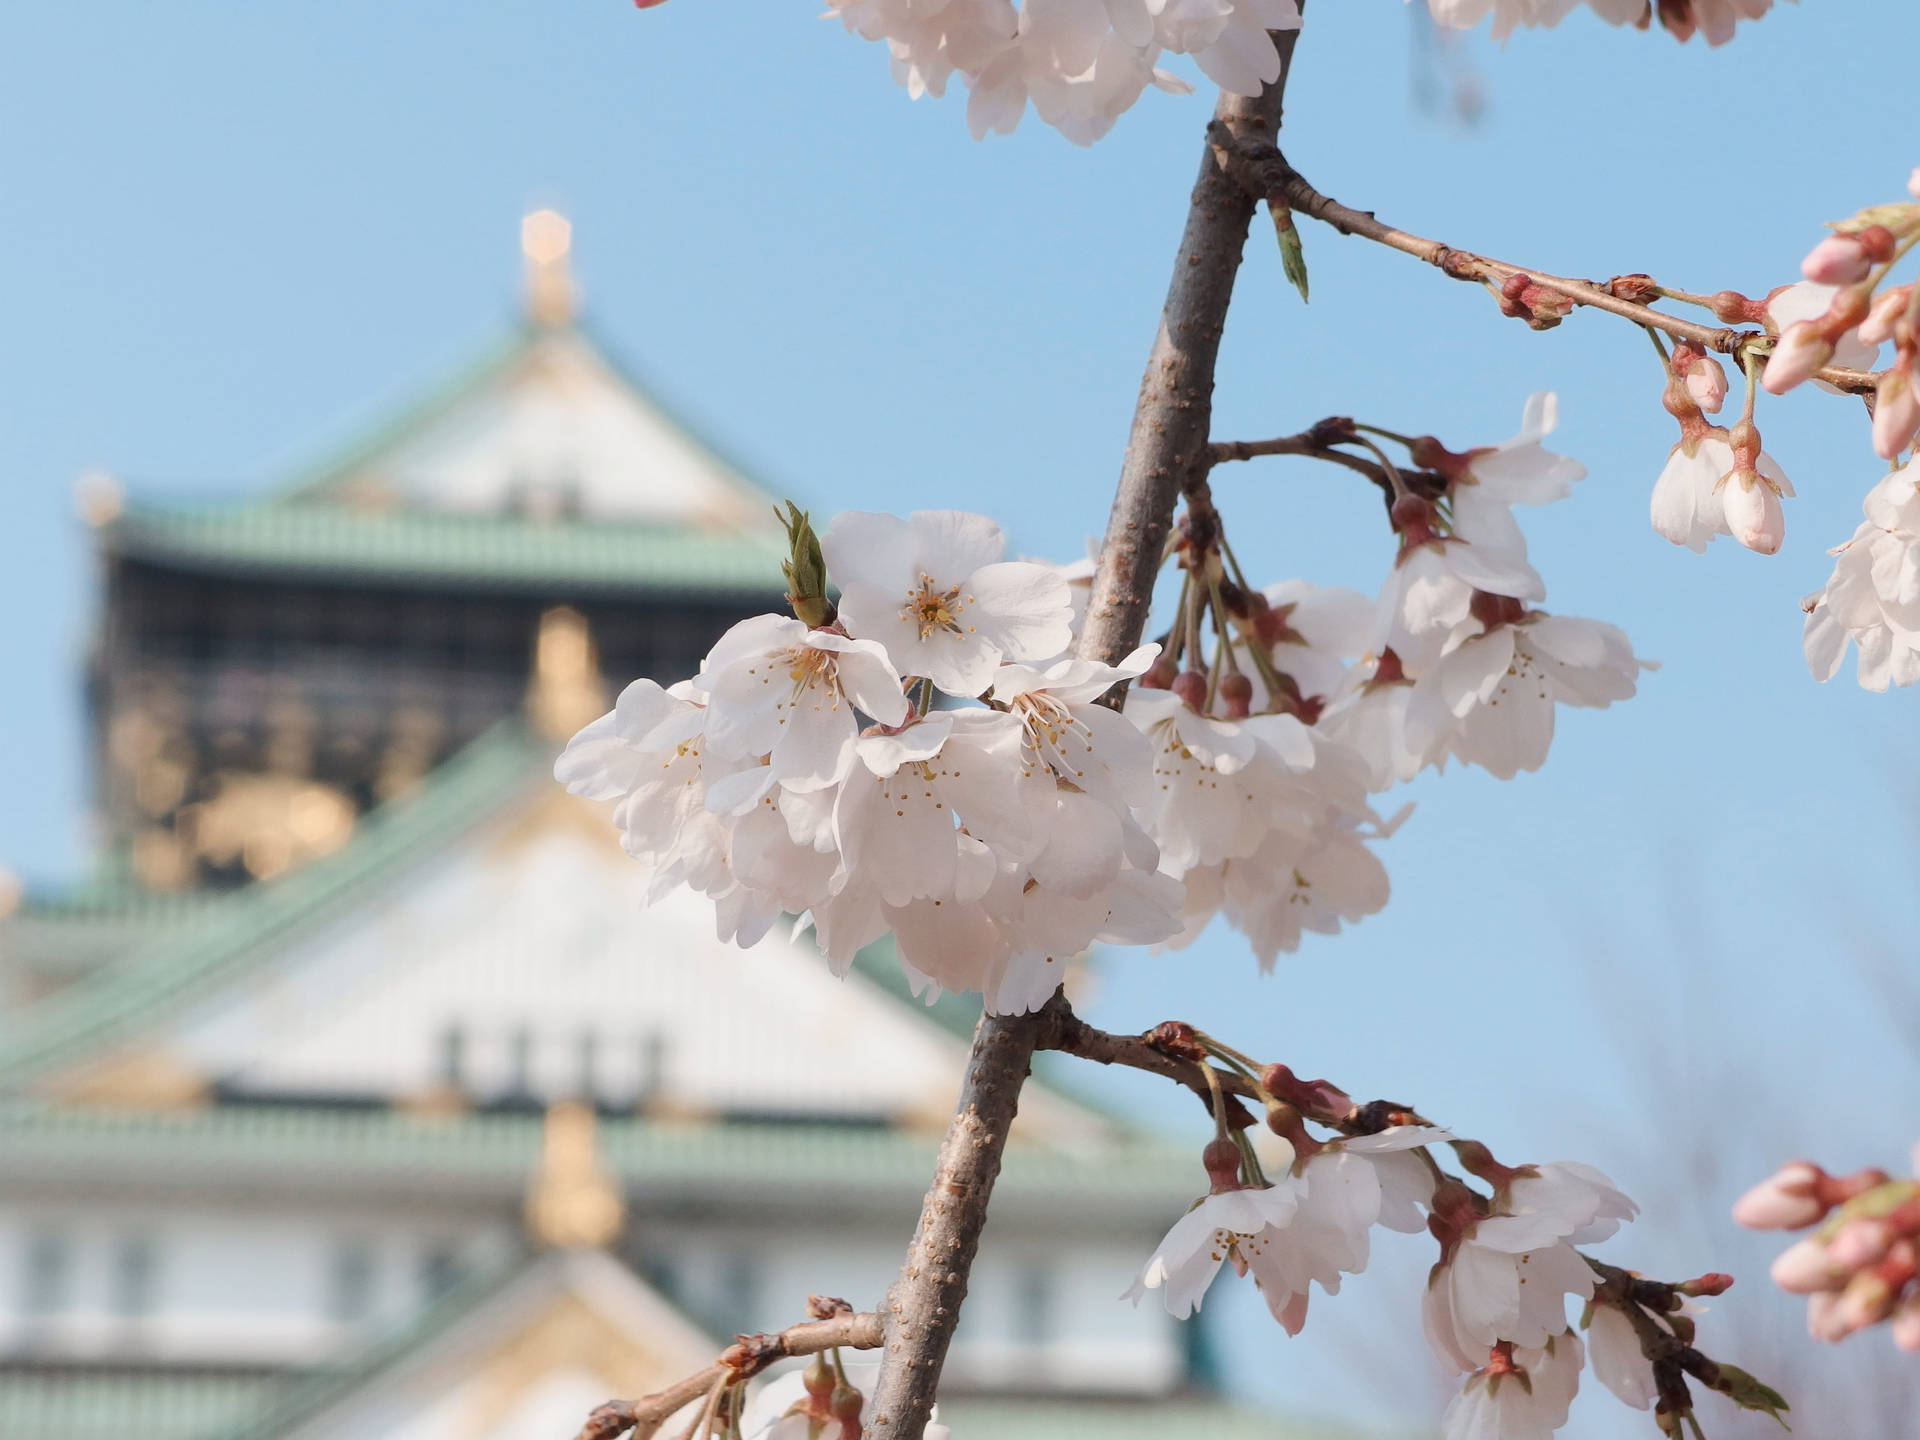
{"points": [[341, 545]]}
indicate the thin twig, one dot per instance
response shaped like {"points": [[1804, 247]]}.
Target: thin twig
{"points": [[742, 1360], [1266, 171]]}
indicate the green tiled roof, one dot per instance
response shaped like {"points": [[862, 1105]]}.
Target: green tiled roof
{"points": [[184, 961], [289, 539], [1198, 1417], [60, 1404], [477, 1149]]}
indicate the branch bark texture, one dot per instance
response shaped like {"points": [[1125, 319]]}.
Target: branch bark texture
{"points": [[1166, 452], [1167, 449]]}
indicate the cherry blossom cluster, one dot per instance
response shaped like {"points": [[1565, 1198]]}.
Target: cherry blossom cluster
{"points": [[1080, 62], [1297, 1211], [1712, 19], [994, 840], [926, 759], [1461, 663], [1862, 1265]]}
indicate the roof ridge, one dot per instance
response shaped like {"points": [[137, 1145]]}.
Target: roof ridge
{"points": [[133, 987]]}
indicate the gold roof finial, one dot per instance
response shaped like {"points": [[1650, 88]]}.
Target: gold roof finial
{"points": [[566, 690], [545, 240], [572, 1201]]}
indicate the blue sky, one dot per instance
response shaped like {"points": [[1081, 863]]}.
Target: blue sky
{"points": [[231, 236]]}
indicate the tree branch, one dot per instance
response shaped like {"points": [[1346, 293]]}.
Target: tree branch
{"points": [[1167, 449], [1166, 453], [742, 1360], [1265, 172]]}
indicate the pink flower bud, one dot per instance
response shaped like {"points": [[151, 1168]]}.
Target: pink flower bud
{"points": [[1896, 408], [1860, 1243], [1823, 1318], [1877, 328], [1906, 1319], [1191, 686], [1867, 1300], [1707, 384], [1836, 260], [1783, 1201], [1804, 1268], [1753, 511], [1798, 352]]}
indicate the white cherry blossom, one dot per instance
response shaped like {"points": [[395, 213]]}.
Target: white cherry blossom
{"points": [[778, 689], [1872, 599], [933, 591], [1232, 1223], [1690, 499], [1613, 1349], [1525, 1397], [1519, 471], [1489, 699], [1508, 1278], [1431, 587]]}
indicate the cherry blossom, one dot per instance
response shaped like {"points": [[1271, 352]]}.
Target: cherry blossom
{"points": [[1697, 496], [1614, 1352], [777, 689], [1521, 1393], [1508, 1277], [1080, 63], [1489, 699], [1485, 483], [934, 592], [1872, 599]]}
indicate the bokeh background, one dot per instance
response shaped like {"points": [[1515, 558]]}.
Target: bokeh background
{"points": [[231, 235]]}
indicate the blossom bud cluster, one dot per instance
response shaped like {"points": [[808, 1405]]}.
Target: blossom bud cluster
{"points": [[1850, 267], [1862, 1266], [1712, 19], [924, 759], [1080, 62]]}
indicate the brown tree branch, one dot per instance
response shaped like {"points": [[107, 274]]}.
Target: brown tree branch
{"points": [[1166, 453], [742, 1360], [1265, 172]]}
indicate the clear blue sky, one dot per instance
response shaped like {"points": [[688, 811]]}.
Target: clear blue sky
{"points": [[230, 236]]}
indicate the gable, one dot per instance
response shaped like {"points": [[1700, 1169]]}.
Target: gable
{"points": [[551, 430]]}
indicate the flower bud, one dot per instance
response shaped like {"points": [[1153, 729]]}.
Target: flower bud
{"points": [[1896, 408], [1753, 511], [1804, 1267], [1867, 1300], [1799, 351], [1714, 1282], [1730, 307], [1638, 288], [846, 1403], [818, 1378], [1236, 695], [1837, 260], [1823, 1318], [1906, 1318], [1859, 1243], [1222, 1160], [1160, 675], [806, 570], [1191, 687], [1707, 384], [1913, 183], [1885, 313], [1785, 1200]]}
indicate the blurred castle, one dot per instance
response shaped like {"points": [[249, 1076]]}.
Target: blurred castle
{"points": [[355, 1096]]}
